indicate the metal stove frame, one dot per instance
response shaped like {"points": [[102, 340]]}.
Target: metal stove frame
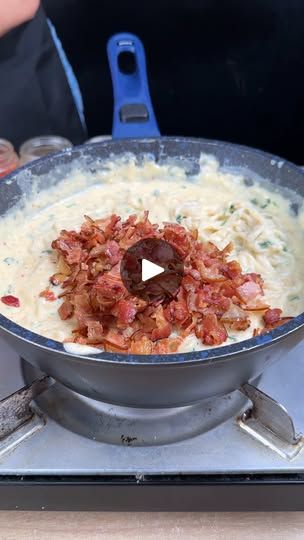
{"points": [[142, 491]]}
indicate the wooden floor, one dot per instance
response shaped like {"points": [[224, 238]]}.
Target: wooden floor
{"points": [[137, 526]]}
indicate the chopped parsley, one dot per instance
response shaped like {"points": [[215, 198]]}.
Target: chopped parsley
{"points": [[266, 203], [232, 208], [265, 244], [293, 298], [179, 218], [261, 204], [285, 249]]}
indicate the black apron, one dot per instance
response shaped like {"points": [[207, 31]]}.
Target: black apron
{"points": [[35, 96]]}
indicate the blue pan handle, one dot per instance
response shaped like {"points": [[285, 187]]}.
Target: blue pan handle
{"points": [[133, 112]]}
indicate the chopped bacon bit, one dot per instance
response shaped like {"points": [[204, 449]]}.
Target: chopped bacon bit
{"points": [[116, 339], [256, 305], [169, 345], [10, 300], [236, 318], [214, 292], [163, 328], [66, 310], [249, 291], [142, 346], [125, 311], [95, 332], [272, 316], [210, 330], [209, 275], [48, 295]]}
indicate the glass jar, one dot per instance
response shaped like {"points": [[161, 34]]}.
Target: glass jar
{"points": [[41, 146], [8, 158]]}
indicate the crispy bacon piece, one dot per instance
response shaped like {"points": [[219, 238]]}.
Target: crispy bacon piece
{"points": [[66, 310], [236, 318], [272, 318], [70, 245], [125, 311], [249, 291], [177, 310], [116, 339], [95, 332], [210, 330], [48, 295], [163, 327], [178, 237], [10, 300], [142, 346], [167, 346], [209, 275], [214, 292]]}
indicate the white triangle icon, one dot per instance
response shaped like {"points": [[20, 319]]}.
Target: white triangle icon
{"points": [[150, 270]]}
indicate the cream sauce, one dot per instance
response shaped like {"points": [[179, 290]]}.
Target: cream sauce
{"points": [[267, 236]]}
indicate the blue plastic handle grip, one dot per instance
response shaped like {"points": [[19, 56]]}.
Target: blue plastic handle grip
{"points": [[133, 114]]}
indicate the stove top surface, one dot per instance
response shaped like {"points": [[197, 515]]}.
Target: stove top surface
{"points": [[224, 449]]}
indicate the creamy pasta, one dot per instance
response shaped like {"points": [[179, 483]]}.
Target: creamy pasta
{"points": [[267, 236]]}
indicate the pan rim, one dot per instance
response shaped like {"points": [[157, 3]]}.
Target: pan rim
{"points": [[215, 354]]}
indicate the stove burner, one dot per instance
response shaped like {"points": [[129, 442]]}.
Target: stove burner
{"points": [[129, 426]]}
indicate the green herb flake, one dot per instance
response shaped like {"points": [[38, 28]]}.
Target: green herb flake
{"points": [[231, 338], [48, 251], [179, 218], [266, 203], [293, 298], [254, 201], [232, 208], [265, 244], [285, 249]]}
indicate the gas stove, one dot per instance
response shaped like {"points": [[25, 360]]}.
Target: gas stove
{"points": [[65, 451]]}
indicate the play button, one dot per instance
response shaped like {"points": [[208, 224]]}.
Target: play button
{"points": [[152, 269]]}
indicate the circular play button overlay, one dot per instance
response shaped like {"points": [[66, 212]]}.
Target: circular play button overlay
{"points": [[151, 269]]}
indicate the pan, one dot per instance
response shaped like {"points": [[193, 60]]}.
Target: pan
{"points": [[151, 381]]}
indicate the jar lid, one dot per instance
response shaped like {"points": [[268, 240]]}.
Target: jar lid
{"points": [[8, 158], [41, 146], [98, 138]]}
